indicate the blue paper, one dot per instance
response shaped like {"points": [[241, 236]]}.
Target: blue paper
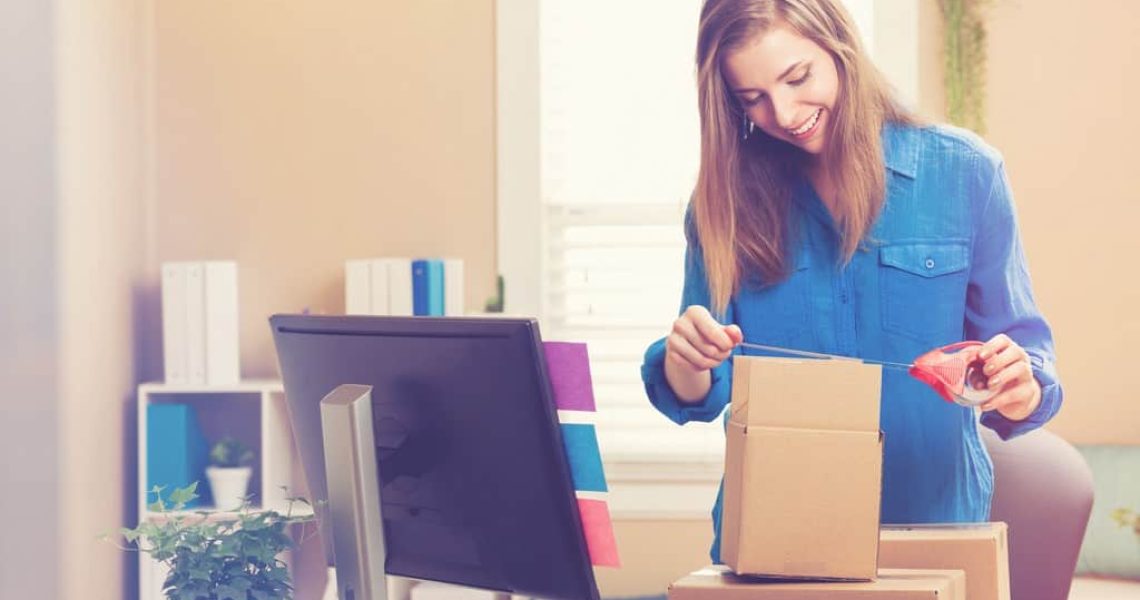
{"points": [[177, 452], [581, 442]]}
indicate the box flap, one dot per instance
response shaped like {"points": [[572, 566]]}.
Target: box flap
{"points": [[840, 395]]}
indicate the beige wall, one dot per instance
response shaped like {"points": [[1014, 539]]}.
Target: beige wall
{"points": [[293, 136], [1062, 88]]}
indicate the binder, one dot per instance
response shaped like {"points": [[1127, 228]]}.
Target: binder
{"points": [[378, 278], [453, 305], [400, 289], [221, 324], [357, 287], [174, 323], [177, 451], [195, 323]]}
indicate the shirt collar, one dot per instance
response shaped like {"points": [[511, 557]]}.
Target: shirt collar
{"points": [[900, 148]]}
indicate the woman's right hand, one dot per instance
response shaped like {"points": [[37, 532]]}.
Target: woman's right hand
{"points": [[698, 342]]}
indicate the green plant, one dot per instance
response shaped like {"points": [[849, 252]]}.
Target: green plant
{"points": [[1125, 517], [212, 558], [964, 52], [229, 453]]}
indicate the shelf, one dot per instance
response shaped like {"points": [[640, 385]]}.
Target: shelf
{"points": [[221, 515], [249, 386]]}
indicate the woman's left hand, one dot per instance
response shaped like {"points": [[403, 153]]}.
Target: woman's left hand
{"points": [[1008, 370]]}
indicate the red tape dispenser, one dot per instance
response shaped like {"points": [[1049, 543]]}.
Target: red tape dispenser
{"points": [[955, 372]]}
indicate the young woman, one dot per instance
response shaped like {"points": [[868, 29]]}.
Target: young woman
{"points": [[827, 218]]}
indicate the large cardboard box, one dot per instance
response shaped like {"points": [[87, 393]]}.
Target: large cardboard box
{"points": [[803, 469], [719, 583], [980, 549]]}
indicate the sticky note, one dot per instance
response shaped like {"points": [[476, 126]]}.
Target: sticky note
{"points": [[568, 365], [581, 442], [599, 530]]}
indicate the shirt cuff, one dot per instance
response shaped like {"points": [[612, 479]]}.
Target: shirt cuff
{"points": [[1051, 397], [667, 402]]}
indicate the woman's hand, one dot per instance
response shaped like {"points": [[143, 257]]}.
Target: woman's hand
{"points": [[1007, 370], [696, 344]]}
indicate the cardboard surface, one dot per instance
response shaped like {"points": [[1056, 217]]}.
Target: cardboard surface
{"points": [[719, 583], [803, 469], [980, 549]]}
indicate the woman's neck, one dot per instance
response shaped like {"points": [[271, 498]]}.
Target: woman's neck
{"points": [[824, 188]]}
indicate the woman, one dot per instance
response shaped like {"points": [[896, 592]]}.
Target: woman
{"points": [[827, 218]]}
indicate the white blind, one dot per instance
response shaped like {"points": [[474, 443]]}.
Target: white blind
{"points": [[620, 146]]}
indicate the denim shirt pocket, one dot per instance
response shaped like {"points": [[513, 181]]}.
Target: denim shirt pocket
{"points": [[923, 285]]}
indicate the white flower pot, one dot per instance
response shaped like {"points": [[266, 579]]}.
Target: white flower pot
{"points": [[228, 486]]}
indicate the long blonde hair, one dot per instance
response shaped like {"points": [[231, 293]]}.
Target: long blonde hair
{"points": [[741, 203]]}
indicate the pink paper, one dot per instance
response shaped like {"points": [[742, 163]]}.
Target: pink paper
{"points": [[568, 364], [599, 530]]}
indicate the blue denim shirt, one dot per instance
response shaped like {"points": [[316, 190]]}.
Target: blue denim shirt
{"points": [[943, 263]]}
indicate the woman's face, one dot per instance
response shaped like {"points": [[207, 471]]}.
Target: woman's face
{"points": [[787, 84]]}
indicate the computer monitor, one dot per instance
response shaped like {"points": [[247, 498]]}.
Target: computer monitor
{"points": [[474, 484]]}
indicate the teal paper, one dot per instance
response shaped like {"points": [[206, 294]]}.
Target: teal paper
{"points": [[581, 442]]}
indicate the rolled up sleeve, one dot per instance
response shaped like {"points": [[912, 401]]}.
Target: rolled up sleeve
{"points": [[661, 395]]}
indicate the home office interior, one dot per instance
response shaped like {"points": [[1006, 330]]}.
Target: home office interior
{"points": [[495, 160]]}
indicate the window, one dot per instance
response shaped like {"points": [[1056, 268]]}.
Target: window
{"points": [[598, 148]]}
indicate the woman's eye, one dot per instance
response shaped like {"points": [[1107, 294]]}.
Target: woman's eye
{"points": [[753, 101], [801, 80]]}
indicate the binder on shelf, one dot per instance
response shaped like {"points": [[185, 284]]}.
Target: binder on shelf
{"points": [[221, 301], [195, 323], [427, 287], [379, 293], [378, 286], [400, 287], [453, 305], [174, 343], [176, 452], [200, 322], [357, 287]]}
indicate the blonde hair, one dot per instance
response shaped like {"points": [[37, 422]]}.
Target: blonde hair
{"points": [[741, 203]]}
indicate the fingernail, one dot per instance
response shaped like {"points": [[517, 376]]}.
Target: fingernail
{"points": [[994, 381]]}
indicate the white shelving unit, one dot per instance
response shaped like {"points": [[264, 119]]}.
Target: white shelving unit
{"points": [[252, 411]]}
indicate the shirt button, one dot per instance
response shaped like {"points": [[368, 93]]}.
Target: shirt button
{"points": [[929, 263]]}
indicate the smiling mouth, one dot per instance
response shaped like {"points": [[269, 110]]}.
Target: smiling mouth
{"points": [[808, 127]]}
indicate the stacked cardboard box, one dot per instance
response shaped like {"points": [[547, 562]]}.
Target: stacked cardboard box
{"points": [[802, 484], [980, 549], [891, 584]]}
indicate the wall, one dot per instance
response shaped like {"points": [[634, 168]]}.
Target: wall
{"points": [[1059, 106], [293, 136]]}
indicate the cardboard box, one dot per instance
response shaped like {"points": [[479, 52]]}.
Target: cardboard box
{"points": [[980, 549], [719, 583], [803, 469]]}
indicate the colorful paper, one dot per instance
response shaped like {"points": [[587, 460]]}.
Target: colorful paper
{"points": [[568, 364], [581, 442], [599, 530]]}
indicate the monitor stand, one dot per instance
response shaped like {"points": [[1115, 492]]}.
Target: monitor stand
{"points": [[357, 526]]}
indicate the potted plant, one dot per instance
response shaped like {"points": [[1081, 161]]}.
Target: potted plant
{"points": [[1126, 517], [229, 473], [211, 556]]}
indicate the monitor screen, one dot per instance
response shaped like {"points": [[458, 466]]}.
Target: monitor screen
{"points": [[475, 488]]}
